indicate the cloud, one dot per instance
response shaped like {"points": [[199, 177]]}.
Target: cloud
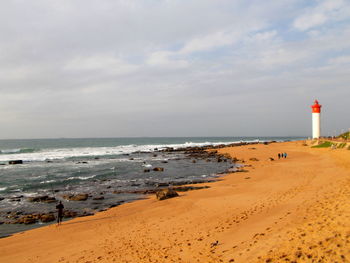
{"points": [[325, 11], [170, 68], [101, 63]]}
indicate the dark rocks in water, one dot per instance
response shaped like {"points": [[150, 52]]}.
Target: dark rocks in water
{"points": [[26, 219], [189, 188], [82, 162], [47, 218], [131, 159], [69, 214], [164, 161], [166, 194], [1, 222], [77, 197], [16, 198], [43, 199], [194, 161], [158, 169], [16, 162], [162, 184], [86, 214], [98, 198], [2, 198], [155, 155], [146, 170], [116, 204]]}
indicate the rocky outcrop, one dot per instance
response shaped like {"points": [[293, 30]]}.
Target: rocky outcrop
{"points": [[42, 198], [189, 188], [16, 162], [47, 218], [166, 194], [68, 214], [77, 197], [98, 198], [158, 169]]}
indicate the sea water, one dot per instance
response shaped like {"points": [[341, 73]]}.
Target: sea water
{"points": [[108, 167]]}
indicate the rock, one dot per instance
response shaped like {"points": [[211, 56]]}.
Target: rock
{"points": [[78, 197], [98, 198], [26, 219], [189, 188], [254, 159], [15, 199], [166, 194], [2, 198], [47, 218], [43, 199], [68, 214], [164, 161], [158, 169], [194, 161], [146, 170], [16, 162], [162, 184]]}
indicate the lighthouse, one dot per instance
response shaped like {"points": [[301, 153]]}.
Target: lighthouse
{"points": [[316, 120]]}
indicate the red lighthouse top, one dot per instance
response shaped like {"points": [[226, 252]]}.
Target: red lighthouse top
{"points": [[316, 108]]}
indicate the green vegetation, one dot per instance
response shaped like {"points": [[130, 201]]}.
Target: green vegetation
{"points": [[323, 145], [341, 145], [345, 135]]}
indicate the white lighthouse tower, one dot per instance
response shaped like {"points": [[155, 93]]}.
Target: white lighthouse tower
{"points": [[316, 120]]}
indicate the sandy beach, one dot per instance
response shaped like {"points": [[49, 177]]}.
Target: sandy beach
{"points": [[289, 210]]}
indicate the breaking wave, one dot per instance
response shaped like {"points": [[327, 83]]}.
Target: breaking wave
{"points": [[30, 155]]}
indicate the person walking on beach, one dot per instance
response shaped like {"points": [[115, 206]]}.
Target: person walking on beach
{"points": [[285, 155], [279, 156], [59, 208]]}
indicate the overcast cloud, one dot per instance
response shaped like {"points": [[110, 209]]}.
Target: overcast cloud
{"points": [[112, 68]]}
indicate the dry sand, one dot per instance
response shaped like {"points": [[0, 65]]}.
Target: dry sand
{"points": [[289, 210]]}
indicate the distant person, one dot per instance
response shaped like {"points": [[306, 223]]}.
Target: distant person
{"points": [[279, 155], [59, 208], [285, 155]]}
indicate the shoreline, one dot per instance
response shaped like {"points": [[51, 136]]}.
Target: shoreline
{"points": [[194, 153], [238, 211]]}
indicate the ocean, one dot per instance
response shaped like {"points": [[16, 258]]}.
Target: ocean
{"points": [[110, 170]]}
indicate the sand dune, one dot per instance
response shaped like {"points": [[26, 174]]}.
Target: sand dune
{"points": [[288, 210]]}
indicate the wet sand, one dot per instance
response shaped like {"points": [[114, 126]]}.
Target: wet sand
{"points": [[288, 210]]}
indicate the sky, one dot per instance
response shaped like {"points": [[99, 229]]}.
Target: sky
{"points": [[126, 68]]}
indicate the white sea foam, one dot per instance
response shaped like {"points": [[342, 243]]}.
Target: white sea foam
{"points": [[48, 181], [10, 151], [80, 177], [3, 188], [62, 153]]}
